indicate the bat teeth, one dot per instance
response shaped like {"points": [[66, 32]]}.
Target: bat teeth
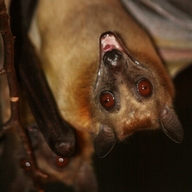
{"points": [[109, 41]]}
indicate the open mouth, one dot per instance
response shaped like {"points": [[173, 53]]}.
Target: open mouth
{"points": [[108, 42]]}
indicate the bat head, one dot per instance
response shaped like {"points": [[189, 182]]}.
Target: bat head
{"points": [[74, 171], [130, 95]]}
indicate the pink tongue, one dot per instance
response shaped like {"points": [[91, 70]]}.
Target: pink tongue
{"points": [[108, 47]]}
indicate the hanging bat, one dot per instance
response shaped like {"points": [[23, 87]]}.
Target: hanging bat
{"points": [[106, 84], [15, 168]]}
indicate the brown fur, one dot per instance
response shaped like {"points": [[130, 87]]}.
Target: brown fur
{"points": [[66, 36], [69, 49]]}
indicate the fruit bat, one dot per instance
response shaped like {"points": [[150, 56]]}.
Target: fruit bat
{"points": [[104, 73], [72, 171], [103, 83], [103, 70], [112, 92]]}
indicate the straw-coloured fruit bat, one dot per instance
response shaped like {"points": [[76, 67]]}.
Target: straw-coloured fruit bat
{"points": [[103, 70], [15, 167], [106, 78]]}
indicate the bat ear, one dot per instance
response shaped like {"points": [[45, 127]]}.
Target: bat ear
{"points": [[170, 125], [104, 141]]}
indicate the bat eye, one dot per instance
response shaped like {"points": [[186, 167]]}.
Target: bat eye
{"points": [[144, 87], [107, 100], [25, 165], [61, 162]]}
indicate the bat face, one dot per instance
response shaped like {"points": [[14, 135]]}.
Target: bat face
{"points": [[74, 171], [125, 89], [129, 97], [71, 171]]}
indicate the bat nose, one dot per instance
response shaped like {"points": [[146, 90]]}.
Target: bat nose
{"points": [[114, 60]]}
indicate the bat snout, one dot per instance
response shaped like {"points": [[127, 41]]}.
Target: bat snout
{"points": [[109, 41], [114, 60]]}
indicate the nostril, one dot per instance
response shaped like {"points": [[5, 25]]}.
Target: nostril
{"points": [[113, 60]]}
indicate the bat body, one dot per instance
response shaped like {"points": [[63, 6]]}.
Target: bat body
{"points": [[106, 78], [107, 86]]}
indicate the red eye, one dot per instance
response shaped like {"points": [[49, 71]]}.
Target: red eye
{"points": [[61, 162], [25, 165], [107, 100], [144, 87]]}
